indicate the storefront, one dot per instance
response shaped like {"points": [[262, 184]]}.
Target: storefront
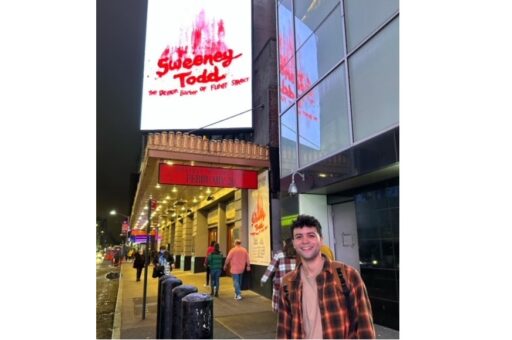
{"points": [[197, 191]]}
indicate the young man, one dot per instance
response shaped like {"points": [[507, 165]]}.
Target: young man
{"points": [[239, 259], [312, 301]]}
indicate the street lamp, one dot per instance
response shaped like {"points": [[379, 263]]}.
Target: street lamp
{"points": [[114, 212]]}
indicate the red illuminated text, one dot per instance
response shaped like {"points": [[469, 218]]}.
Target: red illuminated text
{"points": [[166, 64], [186, 78]]}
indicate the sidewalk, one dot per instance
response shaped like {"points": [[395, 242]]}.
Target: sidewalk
{"points": [[249, 318]]}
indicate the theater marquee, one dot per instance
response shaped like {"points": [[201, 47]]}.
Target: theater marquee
{"points": [[197, 65], [207, 176]]}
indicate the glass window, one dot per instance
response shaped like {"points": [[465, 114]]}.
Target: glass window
{"points": [[288, 142], [374, 83], [286, 43], [323, 123], [287, 89], [364, 16], [320, 52], [287, 83], [308, 15]]}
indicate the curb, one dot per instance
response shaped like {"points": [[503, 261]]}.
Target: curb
{"points": [[116, 328]]}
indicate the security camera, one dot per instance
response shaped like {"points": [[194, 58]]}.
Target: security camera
{"points": [[292, 189]]}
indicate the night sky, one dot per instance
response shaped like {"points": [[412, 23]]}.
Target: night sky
{"points": [[120, 51]]}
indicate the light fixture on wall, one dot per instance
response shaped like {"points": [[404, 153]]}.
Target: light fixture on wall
{"points": [[292, 189]]}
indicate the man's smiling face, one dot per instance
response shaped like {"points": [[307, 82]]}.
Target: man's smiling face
{"points": [[307, 242]]}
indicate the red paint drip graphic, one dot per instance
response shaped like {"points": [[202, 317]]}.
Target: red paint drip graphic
{"points": [[208, 37], [208, 52], [287, 81]]}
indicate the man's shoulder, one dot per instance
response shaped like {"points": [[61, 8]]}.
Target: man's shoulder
{"points": [[239, 250], [348, 271], [290, 276], [340, 264]]}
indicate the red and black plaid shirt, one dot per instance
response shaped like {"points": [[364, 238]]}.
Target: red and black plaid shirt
{"points": [[335, 323], [280, 265]]}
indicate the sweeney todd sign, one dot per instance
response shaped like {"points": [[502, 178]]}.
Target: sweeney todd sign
{"points": [[197, 65]]}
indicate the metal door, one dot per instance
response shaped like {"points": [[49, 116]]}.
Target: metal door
{"points": [[345, 233]]}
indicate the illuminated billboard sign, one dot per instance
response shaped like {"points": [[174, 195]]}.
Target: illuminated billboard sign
{"points": [[197, 65]]}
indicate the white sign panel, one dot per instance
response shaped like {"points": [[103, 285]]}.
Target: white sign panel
{"points": [[197, 65], [259, 222]]}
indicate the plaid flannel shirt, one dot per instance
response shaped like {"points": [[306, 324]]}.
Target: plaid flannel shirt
{"points": [[335, 323], [280, 265]]}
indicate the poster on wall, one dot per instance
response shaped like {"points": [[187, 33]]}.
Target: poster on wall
{"points": [[259, 222], [197, 65]]}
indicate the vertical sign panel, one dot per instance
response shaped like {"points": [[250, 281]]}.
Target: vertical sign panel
{"points": [[259, 222], [197, 65]]}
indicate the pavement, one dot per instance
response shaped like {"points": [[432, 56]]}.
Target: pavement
{"points": [[249, 318]]}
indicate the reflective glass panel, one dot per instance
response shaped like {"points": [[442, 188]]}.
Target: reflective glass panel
{"points": [[308, 16], [286, 42], [374, 83], [323, 122], [287, 87], [288, 141], [322, 50], [364, 16], [287, 83]]}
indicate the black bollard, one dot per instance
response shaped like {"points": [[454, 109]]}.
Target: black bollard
{"points": [[159, 298], [178, 294], [166, 311], [197, 312]]}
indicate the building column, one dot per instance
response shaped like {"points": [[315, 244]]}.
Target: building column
{"points": [[199, 239], [178, 242], [186, 243]]}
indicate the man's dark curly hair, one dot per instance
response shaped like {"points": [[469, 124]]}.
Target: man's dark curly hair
{"points": [[307, 221]]}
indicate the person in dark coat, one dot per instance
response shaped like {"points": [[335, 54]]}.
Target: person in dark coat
{"points": [[138, 263]]}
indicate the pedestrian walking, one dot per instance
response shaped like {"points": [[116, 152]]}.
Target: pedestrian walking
{"points": [[214, 261], [283, 262], [138, 263], [165, 259], [208, 252], [321, 299], [238, 258], [117, 257]]}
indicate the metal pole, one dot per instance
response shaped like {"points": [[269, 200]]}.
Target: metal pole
{"points": [[127, 239], [146, 263]]}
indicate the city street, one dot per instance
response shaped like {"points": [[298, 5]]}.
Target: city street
{"points": [[106, 295]]}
